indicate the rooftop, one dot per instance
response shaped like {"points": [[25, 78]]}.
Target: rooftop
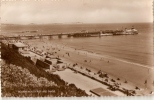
{"points": [[102, 92], [19, 45]]}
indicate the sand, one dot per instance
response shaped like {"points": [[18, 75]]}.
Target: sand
{"points": [[135, 74]]}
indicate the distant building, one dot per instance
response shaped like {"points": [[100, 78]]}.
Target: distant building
{"points": [[10, 45], [61, 67], [42, 64], [51, 61], [19, 46]]}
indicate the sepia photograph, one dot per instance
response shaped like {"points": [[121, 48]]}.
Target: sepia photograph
{"points": [[76, 48]]}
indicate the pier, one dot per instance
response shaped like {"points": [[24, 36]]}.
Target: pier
{"points": [[77, 34]]}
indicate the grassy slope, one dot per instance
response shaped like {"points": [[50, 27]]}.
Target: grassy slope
{"points": [[12, 57]]}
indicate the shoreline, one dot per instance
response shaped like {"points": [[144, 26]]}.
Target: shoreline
{"points": [[151, 66], [123, 60]]}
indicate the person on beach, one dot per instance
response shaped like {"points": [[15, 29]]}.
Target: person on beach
{"points": [[68, 54], [145, 84], [153, 83]]}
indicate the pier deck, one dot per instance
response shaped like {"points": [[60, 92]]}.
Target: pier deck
{"points": [[77, 34]]}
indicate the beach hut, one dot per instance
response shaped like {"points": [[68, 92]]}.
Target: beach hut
{"points": [[38, 51], [43, 53], [52, 68], [19, 46], [42, 64], [61, 66], [51, 57], [51, 61], [10, 45]]}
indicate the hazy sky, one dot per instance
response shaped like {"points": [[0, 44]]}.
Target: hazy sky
{"points": [[70, 11]]}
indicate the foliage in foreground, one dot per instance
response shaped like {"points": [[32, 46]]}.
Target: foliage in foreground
{"points": [[20, 78]]}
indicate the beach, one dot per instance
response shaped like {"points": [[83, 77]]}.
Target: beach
{"points": [[135, 74]]}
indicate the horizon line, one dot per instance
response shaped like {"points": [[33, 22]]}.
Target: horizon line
{"points": [[69, 23]]}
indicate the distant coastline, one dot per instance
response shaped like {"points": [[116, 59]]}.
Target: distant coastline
{"points": [[73, 23]]}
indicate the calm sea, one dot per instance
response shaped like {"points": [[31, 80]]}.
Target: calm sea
{"points": [[133, 48]]}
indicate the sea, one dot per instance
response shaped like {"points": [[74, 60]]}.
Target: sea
{"points": [[133, 48]]}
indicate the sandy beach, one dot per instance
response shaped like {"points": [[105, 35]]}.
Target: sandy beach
{"points": [[135, 74]]}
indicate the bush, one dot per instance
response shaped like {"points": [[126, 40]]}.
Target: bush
{"points": [[19, 74]]}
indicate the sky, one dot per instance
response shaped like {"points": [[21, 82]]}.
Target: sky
{"points": [[73, 11]]}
